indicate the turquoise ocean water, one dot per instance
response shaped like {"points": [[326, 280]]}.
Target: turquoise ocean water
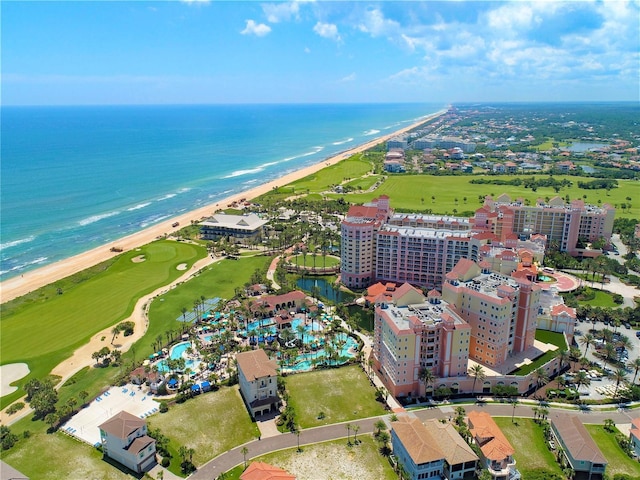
{"points": [[73, 178]]}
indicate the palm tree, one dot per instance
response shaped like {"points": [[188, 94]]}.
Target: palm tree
{"points": [[477, 372], [515, 404], [114, 332], [301, 331], [582, 379], [634, 365], [619, 376], [244, 452], [563, 357], [587, 340], [540, 376], [355, 429], [427, 377], [609, 351], [379, 426]]}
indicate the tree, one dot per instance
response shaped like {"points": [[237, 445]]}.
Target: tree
{"points": [[244, 452], [635, 366], [355, 429], [44, 401], [582, 379], [477, 372], [619, 376], [515, 404], [51, 419], [587, 340], [380, 426], [427, 377], [348, 427], [540, 376], [114, 332]]}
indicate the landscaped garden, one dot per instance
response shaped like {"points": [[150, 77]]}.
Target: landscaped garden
{"points": [[328, 460], [544, 336], [45, 330], [330, 396]]}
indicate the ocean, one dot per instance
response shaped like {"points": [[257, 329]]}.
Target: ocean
{"points": [[74, 178]]}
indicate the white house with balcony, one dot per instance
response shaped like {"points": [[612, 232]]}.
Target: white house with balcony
{"points": [[497, 452], [258, 378], [124, 439]]}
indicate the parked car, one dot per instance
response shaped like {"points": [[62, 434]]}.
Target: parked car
{"points": [[638, 334], [627, 326]]}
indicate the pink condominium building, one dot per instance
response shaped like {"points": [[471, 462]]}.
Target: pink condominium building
{"points": [[500, 309], [562, 223], [413, 332], [480, 315]]}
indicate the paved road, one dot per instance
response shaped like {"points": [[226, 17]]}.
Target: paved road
{"points": [[234, 457]]}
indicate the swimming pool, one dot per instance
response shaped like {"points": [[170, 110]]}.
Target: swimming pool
{"points": [[176, 352], [304, 361]]}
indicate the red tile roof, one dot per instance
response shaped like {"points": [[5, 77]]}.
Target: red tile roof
{"points": [[264, 471], [255, 364], [493, 444], [122, 425]]}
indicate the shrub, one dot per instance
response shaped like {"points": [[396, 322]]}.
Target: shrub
{"points": [[165, 462], [16, 407], [164, 408]]}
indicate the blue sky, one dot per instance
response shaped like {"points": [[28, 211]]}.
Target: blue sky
{"points": [[64, 53]]}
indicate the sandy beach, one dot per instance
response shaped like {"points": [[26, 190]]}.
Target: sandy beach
{"points": [[21, 285]]}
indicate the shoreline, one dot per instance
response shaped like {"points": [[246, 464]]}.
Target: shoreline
{"points": [[32, 280]]}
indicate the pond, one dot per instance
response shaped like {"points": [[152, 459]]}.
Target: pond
{"points": [[326, 289]]}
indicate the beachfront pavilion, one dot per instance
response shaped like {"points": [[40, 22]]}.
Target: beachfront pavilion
{"points": [[236, 228]]}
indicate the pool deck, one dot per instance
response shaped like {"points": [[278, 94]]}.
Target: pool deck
{"points": [[130, 398]]}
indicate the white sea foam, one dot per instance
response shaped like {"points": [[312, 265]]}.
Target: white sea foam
{"points": [[153, 220], [373, 131], [239, 173], [184, 190], [344, 141], [139, 206], [313, 152], [24, 265], [167, 197], [97, 218], [249, 182], [13, 243]]}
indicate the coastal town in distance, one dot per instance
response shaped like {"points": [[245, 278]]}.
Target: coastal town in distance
{"points": [[456, 300]]}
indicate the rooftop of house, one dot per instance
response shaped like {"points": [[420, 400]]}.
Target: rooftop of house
{"points": [[576, 439], [122, 425], [250, 221], [455, 449], [264, 471], [492, 442], [255, 364], [418, 441]]}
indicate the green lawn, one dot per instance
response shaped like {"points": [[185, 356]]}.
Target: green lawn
{"points": [[44, 332], [402, 189], [321, 261], [618, 461], [218, 280], [363, 183], [329, 460], [527, 439], [602, 299], [342, 394], [546, 337], [211, 424], [55, 456]]}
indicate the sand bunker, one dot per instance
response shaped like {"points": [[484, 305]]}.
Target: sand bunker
{"points": [[182, 266], [9, 374], [138, 259]]}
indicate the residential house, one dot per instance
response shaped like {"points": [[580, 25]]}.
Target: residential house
{"points": [[124, 439], [580, 451], [416, 449], [460, 461], [264, 471], [7, 472], [258, 378], [497, 452]]}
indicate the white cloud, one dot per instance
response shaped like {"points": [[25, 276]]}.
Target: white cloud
{"points": [[327, 30], [196, 2], [257, 29], [349, 78], [281, 12], [307, 50], [376, 24]]}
